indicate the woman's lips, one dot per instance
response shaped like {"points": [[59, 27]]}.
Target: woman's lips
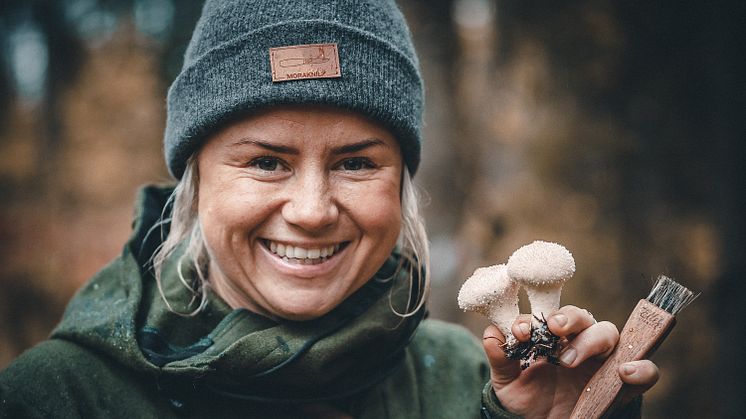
{"points": [[306, 262], [302, 255]]}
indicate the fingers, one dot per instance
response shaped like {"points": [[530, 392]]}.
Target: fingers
{"points": [[522, 327], [503, 370], [597, 341], [570, 320], [588, 338], [640, 375], [567, 321]]}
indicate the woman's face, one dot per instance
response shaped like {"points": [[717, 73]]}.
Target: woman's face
{"points": [[299, 207]]}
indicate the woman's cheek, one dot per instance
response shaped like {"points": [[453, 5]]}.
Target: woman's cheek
{"points": [[241, 205], [378, 210]]}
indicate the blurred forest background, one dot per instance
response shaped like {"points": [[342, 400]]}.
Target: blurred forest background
{"points": [[615, 128]]}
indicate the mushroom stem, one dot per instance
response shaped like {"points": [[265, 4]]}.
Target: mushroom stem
{"points": [[503, 313], [544, 299]]}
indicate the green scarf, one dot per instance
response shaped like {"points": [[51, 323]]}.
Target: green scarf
{"points": [[237, 353]]}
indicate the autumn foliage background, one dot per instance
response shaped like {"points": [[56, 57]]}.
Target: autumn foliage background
{"points": [[614, 128]]}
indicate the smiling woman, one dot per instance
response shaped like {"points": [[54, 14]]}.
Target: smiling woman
{"points": [[278, 189], [285, 275]]}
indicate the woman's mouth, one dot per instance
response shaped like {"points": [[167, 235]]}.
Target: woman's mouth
{"points": [[303, 255]]}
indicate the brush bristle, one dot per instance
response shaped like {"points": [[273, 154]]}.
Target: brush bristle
{"points": [[670, 295]]}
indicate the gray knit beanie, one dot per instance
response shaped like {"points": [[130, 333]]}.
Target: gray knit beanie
{"points": [[245, 55]]}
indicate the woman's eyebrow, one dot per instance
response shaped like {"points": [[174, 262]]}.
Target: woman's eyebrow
{"points": [[345, 149], [359, 146], [269, 146]]}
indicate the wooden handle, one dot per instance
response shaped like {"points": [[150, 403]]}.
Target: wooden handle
{"points": [[646, 328]]}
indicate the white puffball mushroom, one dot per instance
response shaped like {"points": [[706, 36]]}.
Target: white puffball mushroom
{"points": [[541, 268], [490, 292]]}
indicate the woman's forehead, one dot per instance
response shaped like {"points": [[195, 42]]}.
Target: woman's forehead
{"points": [[295, 125]]}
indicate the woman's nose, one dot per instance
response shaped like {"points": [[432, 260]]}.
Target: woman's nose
{"points": [[311, 205]]}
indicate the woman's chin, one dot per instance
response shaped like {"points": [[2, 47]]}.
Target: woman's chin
{"points": [[302, 310], [302, 316]]}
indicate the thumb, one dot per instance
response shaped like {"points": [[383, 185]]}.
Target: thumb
{"points": [[503, 370]]}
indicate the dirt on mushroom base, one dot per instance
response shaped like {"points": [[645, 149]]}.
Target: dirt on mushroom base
{"points": [[543, 344]]}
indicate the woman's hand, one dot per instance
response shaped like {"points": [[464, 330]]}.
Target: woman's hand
{"points": [[544, 390]]}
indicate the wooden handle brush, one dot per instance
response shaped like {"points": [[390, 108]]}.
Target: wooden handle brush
{"points": [[647, 326]]}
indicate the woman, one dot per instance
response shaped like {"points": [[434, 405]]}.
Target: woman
{"points": [[286, 273]]}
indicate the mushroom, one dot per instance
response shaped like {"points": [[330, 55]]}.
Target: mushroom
{"points": [[541, 268], [490, 292]]}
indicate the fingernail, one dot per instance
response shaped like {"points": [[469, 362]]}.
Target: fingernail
{"points": [[568, 356], [560, 319], [628, 369], [524, 328]]}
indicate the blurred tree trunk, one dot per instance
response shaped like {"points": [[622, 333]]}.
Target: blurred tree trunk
{"points": [[727, 101], [6, 91], [64, 58]]}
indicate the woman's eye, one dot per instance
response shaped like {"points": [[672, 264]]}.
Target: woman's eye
{"points": [[268, 164], [357, 163]]}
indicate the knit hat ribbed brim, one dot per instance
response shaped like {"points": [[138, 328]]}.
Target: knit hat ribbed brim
{"points": [[227, 72]]}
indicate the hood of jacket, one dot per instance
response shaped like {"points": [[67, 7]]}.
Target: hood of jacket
{"points": [[236, 353]]}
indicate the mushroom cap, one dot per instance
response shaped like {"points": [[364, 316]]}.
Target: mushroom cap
{"points": [[541, 263], [485, 286]]}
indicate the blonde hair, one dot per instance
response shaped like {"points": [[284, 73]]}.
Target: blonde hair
{"points": [[185, 232]]}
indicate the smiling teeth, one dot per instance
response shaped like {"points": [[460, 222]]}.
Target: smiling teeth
{"points": [[295, 252]]}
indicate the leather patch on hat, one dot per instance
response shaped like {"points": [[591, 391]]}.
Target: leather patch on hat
{"points": [[297, 62]]}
